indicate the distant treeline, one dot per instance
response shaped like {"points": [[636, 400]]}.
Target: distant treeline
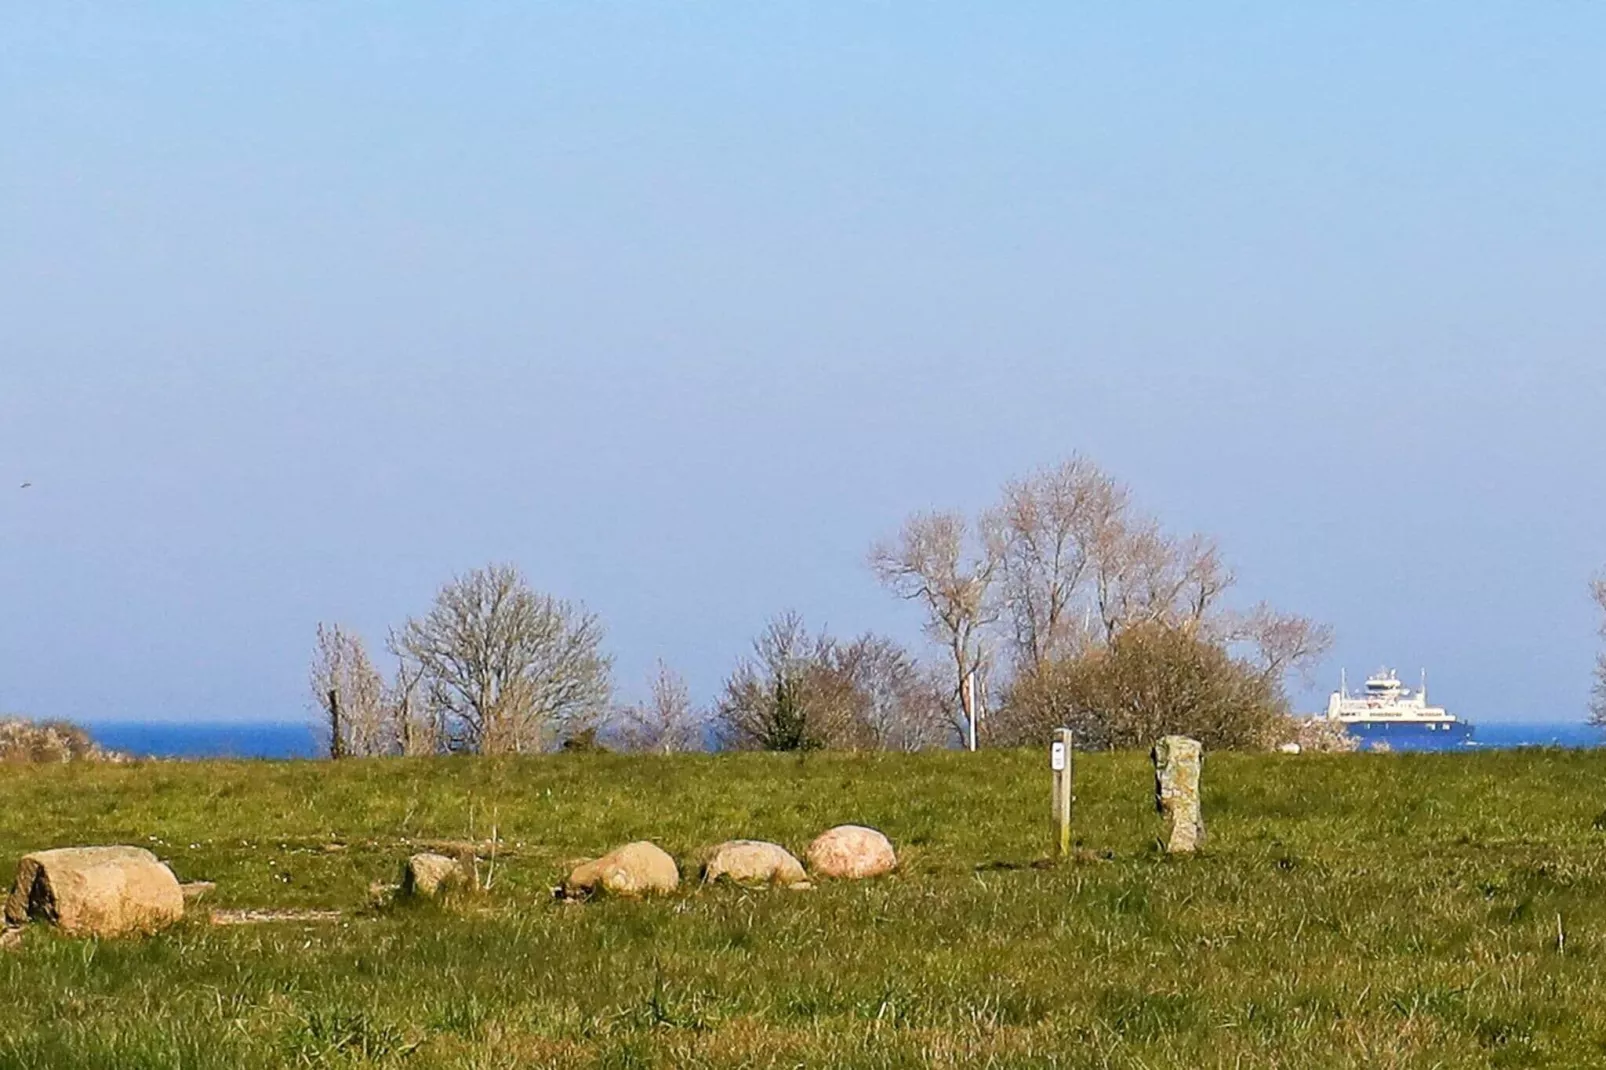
{"points": [[1062, 604]]}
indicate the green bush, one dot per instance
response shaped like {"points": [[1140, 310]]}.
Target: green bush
{"points": [[1152, 680]]}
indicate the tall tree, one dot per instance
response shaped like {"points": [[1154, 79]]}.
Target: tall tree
{"points": [[772, 700], [509, 669], [1051, 527], [1071, 565], [1144, 576], [938, 561], [418, 726], [350, 693]]}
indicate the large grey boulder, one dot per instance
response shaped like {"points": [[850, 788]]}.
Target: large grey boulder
{"points": [[754, 862], [1177, 761], [851, 852], [636, 869], [95, 891]]}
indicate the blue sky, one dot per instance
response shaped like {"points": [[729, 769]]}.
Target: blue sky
{"points": [[304, 308]]}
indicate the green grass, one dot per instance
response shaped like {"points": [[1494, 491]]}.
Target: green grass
{"points": [[1354, 910]]}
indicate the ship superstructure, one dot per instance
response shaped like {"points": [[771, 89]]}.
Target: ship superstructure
{"points": [[1387, 712]]}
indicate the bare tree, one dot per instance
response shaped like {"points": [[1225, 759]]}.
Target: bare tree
{"points": [[1071, 545], [418, 727], [772, 700], [805, 691], [895, 704], [350, 693], [1071, 566], [666, 722], [1597, 704], [508, 669], [1144, 576], [1280, 643], [938, 561], [1051, 527]]}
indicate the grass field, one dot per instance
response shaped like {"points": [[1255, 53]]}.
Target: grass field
{"points": [[1349, 910]]}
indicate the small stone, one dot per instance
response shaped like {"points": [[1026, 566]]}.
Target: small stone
{"points": [[636, 869], [754, 862], [1177, 760], [851, 852], [430, 876], [194, 890]]}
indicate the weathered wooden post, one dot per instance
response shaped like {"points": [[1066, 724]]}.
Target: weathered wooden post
{"points": [[1176, 790], [1059, 763], [337, 749]]}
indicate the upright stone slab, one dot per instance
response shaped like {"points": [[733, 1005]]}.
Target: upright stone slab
{"points": [[1176, 790]]}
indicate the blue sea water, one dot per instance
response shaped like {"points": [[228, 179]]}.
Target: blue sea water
{"points": [[1504, 735], [214, 739], [297, 739]]}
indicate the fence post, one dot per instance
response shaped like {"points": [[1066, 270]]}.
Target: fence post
{"points": [[1059, 762], [336, 748]]}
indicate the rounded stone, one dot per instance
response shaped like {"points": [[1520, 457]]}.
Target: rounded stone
{"points": [[754, 862], [851, 852]]}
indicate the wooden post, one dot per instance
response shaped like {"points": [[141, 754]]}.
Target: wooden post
{"points": [[1059, 762], [336, 750]]}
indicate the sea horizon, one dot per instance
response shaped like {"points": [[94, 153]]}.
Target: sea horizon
{"points": [[288, 739]]}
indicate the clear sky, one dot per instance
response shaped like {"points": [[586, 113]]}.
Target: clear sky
{"points": [[678, 306]]}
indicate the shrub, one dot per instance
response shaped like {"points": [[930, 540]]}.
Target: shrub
{"points": [[1318, 735], [1152, 680], [47, 741], [801, 691]]}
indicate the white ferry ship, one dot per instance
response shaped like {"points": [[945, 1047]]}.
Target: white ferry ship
{"points": [[1385, 712]]}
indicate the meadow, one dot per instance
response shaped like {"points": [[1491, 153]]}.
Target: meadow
{"points": [[1413, 910]]}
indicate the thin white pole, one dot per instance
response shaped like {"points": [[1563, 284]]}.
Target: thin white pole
{"points": [[967, 699]]}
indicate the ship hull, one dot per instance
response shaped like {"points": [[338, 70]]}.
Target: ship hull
{"points": [[1406, 735]]}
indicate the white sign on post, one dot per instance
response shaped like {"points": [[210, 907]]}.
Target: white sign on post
{"points": [[1059, 760]]}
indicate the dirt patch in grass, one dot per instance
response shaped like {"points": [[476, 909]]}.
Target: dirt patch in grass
{"points": [[263, 917]]}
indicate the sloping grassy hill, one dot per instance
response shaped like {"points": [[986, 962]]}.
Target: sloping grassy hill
{"points": [[1355, 910]]}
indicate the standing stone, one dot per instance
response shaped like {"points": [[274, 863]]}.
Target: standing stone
{"points": [[95, 891], [1176, 790]]}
